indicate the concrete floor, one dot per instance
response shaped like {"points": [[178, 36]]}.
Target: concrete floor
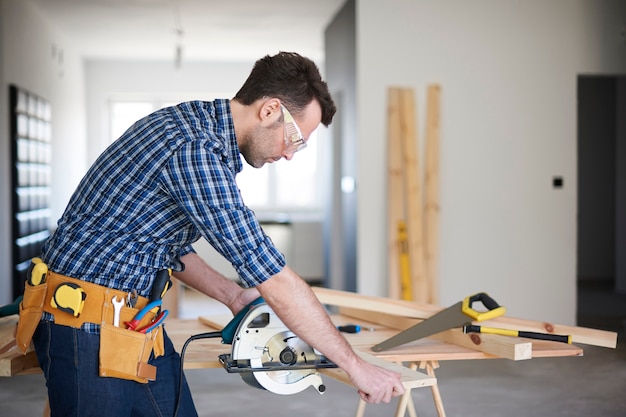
{"points": [[592, 385]]}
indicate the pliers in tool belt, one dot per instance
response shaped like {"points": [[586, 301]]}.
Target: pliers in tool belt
{"points": [[134, 323]]}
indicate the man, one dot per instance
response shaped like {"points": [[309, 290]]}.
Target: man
{"points": [[167, 181]]}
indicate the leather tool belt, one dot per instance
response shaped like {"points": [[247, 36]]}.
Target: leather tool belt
{"points": [[98, 307], [124, 353]]}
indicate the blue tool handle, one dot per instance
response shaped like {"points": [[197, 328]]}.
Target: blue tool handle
{"points": [[140, 315], [349, 328]]}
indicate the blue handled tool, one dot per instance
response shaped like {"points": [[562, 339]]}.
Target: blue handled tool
{"points": [[155, 323], [134, 323]]}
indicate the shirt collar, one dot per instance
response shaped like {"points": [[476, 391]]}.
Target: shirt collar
{"points": [[224, 115]]}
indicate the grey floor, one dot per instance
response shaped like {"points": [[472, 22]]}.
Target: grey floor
{"points": [[592, 385]]}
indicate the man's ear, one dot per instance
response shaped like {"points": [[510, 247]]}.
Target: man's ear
{"points": [[270, 111]]}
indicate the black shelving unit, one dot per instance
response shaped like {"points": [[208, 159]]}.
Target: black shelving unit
{"points": [[30, 179]]}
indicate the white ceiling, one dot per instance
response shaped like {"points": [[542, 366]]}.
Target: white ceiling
{"points": [[210, 29]]}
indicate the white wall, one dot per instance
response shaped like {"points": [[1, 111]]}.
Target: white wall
{"points": [[508, 72], [106, 80], [31, 57]]}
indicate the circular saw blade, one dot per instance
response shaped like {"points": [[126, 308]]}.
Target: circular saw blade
{"points": [[284, 349]]}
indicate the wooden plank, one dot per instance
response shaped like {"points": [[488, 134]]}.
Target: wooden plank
{"points": [[395, 191], [14, 362], [512, 348], [7, 332], [582, 335], [428, 349], [414, 197], [390, 321], [217, 321], [431, 193], [410, 378], [202, 353], [409, 309]]}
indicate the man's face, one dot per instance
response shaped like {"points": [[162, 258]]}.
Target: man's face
{"points": [[273, 138]]}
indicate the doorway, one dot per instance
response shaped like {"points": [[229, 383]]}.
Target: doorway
{"points": [[601, 231]]}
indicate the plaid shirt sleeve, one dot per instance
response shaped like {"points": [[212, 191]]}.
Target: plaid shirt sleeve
{"points": [[199, 179]]}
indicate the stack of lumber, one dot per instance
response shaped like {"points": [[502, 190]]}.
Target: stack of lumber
{"points": [[401, 314], [413, 203]]}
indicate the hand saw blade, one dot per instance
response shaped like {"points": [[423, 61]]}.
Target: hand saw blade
{"points": [[449, 318]]}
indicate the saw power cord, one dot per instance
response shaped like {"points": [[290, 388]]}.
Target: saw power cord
{"points": [[208, 335]]}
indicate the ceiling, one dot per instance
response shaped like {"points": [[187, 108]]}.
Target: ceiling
{"points": [[232, 30]]}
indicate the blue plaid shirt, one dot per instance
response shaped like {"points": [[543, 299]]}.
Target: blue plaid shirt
{"points": [[167, 181]]}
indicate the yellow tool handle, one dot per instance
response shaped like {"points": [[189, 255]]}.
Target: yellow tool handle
{"points": [[493, 308], [69, 297], [405, 262], [470, 328], [37, 272]]}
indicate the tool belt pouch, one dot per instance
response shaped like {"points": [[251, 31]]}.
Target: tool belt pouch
{"points": [[31, 309], [125, 353]]}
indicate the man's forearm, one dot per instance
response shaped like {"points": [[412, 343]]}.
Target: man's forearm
{"points": [[297, 306], [200, 276]]}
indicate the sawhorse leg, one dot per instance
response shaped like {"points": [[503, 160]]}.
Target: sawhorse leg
{"points": [[430, 367], [405, 402]]}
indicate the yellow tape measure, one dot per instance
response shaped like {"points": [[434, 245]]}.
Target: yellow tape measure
{"points": [[69, 297]]}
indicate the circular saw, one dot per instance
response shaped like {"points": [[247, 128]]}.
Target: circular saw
{"points": [[268, 355]]}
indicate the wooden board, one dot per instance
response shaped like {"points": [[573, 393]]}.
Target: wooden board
{"points": [[579, 334], [512, 348], [414, 194], [582, 335], [410, 378], [409, 309], [14, 362], [395, 192], [7, 332], [431, 193]]}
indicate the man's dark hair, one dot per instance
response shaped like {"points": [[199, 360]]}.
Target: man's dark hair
{"points": [[293, 79]]}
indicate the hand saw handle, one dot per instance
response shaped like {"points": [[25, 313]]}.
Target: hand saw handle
{"points": [[493, 308], [471, 328]]}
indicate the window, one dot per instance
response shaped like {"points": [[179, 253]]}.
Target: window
{"points": [[285, 186]]}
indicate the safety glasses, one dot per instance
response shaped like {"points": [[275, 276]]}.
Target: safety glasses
{"points": [[294, 141]]}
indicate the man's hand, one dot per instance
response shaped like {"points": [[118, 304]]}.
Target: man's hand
{"points": [[375, 384], [243, 298]]}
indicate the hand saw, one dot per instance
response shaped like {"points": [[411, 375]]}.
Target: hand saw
{"points": [[453, 316]]}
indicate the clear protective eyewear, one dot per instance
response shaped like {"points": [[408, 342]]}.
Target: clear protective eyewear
{"points": [[293, 135]]}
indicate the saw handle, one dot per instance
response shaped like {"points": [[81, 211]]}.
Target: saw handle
{"points": [[493, 308], [472, 328], [228, 332]]}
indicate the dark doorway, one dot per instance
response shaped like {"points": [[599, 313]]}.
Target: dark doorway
{"points": [[601, 236]]}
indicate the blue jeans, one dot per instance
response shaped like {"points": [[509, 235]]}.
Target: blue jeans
{"points": [[69, 360]]}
